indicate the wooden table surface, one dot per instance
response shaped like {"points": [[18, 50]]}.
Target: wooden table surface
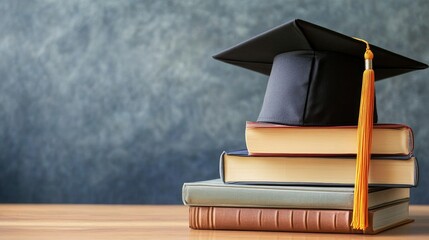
{"points": [[152, 222]]}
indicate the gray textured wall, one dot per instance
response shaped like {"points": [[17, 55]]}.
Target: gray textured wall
{"points": [[120, 101]]}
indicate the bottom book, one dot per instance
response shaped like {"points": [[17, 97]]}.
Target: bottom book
{"points": [[295, 220]]}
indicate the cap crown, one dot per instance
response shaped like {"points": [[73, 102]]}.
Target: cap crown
{"points": [[313, 88]]}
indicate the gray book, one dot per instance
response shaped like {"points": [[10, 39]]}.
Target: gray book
{"points": [[216, 193]]}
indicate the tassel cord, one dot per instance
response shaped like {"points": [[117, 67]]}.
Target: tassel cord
{"points": [[364, 144]]}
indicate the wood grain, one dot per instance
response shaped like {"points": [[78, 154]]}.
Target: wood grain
{"points": [[151, 222]]}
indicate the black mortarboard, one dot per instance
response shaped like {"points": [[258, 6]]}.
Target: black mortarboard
{"points": [[316, 79], [315, 73]]}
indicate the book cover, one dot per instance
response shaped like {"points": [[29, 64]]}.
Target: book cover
{"points": [[216, 193], [295, 220], [275, 139], [240, 167]]}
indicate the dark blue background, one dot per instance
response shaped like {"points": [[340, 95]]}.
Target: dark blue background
{"points": [[120, 101]]}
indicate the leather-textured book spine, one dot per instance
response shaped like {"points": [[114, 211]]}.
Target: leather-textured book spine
{"points": [[293, 220], [257, 219]]}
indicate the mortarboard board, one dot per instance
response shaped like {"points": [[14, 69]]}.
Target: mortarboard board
{"points": [[316, 79], [315, 73]]}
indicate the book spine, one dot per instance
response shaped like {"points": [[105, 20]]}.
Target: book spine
{"points": [[410, 140], [221, 168], [259, 219]]}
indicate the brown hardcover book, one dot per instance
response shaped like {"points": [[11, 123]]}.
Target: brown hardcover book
{"points": [[295, 220], [274, 139]]}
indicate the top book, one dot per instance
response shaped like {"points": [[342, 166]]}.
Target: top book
{"points": [[275, 139]]}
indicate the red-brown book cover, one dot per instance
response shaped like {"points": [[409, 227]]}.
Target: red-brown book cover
{"points": [[288, 220]]}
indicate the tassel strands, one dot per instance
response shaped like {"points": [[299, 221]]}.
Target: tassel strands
{"points": [[364, 142]]}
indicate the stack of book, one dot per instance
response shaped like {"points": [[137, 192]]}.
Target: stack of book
{"points": [[301, 179]]}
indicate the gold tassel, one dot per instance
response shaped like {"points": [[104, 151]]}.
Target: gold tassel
{"points": [[364, 142]]}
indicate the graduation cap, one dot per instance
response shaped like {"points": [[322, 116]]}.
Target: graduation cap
{"points": [[315, 73], [315, 78]]}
